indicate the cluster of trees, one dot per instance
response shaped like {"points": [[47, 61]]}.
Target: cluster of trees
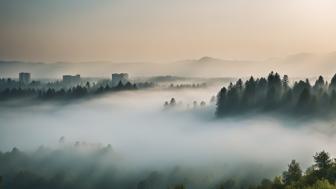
{"points": [[84, 165], [275, 94], [184, 86], [54, 169], [62, 93], [145, 84], [119, 87], [11, 83], [172, 104], [17, 93], [167, 78], [77, 91], [321, 175], [8, 83], [77, 166]]}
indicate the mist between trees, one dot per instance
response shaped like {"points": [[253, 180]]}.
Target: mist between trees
{"points": [[321, 175], [275, 94], [85, 165]]}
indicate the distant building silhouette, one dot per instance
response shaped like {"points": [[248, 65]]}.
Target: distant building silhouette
{"points": [[119, 77], [69, 79], [24, 77]]}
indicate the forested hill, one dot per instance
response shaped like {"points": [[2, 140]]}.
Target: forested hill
{"points": [[276, 94]]}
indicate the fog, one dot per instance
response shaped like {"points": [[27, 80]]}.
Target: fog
{"points": [[147, 137], [292, 65]]}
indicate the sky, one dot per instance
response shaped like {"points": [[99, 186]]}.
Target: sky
{"points": [[160, 30]]}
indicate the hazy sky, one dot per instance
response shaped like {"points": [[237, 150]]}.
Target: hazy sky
{"points": [[129, 30]]}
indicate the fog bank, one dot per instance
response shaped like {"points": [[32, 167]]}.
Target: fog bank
{"points": [[147, 137]]}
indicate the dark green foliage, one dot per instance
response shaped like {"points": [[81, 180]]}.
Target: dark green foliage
{"points": [[1, 187], [304, 101], [229, 184], [276, 95], [221, 101], [322, 160], [179, 186], [13, 92], [85, 166], [293, 174], [69, 168], [322, 175]]}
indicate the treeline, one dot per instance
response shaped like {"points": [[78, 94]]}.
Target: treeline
{"points": [[55, 169], [187, 86], [85, 165], [321, 175], [78, 166], [63, 93], [11, 83], [173, 104], [274, 93]]}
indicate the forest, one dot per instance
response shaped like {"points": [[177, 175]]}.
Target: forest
{"points": [[12, 90], [321, 175], [275, 94], [86, 165]]}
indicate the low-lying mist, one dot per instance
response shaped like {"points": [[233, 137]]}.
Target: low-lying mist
{"points": [[146, 137]]}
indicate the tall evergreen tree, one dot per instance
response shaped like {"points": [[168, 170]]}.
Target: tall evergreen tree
{"points": [[221, 102], [293, 174]]}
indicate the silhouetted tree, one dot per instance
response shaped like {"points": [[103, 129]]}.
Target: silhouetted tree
{"points": [[293, 174], [322, 160], [172, 102], [332, 85], [319, 84], [285, 82], [221, 102]]}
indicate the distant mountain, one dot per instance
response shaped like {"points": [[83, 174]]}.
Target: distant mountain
{"points": [[207, 59], [300, 65], [301, 57]]}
